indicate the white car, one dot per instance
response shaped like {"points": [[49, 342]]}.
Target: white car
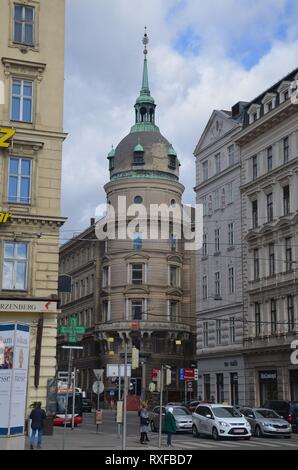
{"points": [[220, 421]]}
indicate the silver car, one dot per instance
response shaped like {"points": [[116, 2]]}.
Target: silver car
{"points": [[265, 422], [181, 414]]}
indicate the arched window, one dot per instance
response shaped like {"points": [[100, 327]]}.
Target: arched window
{"points": [[143, 112]]}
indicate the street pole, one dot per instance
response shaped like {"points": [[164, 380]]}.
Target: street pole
{"points": [[160, 407], [124, 399], [73, 398], [119, 396], [185, 391], [143, 392], [66, 401]]}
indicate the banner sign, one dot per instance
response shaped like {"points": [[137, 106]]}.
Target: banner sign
{"points": [[27, 306], [14, 359]]}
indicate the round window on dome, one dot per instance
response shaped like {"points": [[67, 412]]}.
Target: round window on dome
{"points": [[138, 200]]}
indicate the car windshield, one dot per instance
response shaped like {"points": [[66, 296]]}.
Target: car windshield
{"points": [[226, 412], [180, 411], [266, 414]]}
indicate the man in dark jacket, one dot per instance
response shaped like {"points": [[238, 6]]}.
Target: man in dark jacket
{"points": [[37, 417], [170, 425]]}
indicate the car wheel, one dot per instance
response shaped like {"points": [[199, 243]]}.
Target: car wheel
{"points": [[153, 428], [215, 434], [258, 432], [195, 432], [288, 437], [247, 438]]}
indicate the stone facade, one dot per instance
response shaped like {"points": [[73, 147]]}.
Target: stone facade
{"points": [[269, 199], [32, 70], [219, 273]]}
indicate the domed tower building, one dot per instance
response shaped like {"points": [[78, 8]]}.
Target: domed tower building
{"points": [[148, 284]]}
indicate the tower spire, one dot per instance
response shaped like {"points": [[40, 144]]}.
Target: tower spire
{"points": [[145, 104]]}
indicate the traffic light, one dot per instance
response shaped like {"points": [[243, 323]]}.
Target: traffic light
{"points": [[158, 377], [134, 358], [168, 376]]}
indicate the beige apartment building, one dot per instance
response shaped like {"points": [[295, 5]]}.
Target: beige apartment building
{"points": [[32, 76]]}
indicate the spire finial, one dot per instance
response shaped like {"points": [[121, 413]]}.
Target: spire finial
{"points": [[145, 42]]}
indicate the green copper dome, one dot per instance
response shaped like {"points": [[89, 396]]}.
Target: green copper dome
{"points": [[172, 152]]}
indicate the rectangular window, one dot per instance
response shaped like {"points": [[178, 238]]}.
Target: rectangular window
{"points": [[273, 315], [174, 281], [15, 266], [291, 316], [105, 308], [21, 100], [231, 234], [216, 199], [105, 276], [24, 24], [257, 319], [269, 106], [19, 180], [173, 311], [216, 240], [205, 334], [254, 206], [136, 309], [254, 167], [232, 328], [205, 245], [289, 258], [230, 194], [286, 149], [207, 388], [217, 163], [269, 158], [217, 284], [256, 265], [220, 395], [205, 287], [231, 281], [218, 332], [205, 206], [205, 170], [137, 274], [269, 207], [231, 154], [286, 199], [271, 259]]}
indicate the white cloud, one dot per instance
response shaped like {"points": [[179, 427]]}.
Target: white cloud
{"points": [[103, 77]]}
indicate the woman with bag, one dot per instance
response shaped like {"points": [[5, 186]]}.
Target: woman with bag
{"points": [[144, 423]]}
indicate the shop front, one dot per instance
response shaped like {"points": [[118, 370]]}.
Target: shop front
{"points": [[268, 386]]}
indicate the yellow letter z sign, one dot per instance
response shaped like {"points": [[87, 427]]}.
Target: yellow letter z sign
{"points": [[5, 136]]}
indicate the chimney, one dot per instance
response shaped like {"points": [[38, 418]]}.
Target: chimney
{"points": [[92, 221]]}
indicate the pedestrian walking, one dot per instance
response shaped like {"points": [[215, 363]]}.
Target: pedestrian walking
{"points": [[37, 416], [170, 425], [144, 423]]}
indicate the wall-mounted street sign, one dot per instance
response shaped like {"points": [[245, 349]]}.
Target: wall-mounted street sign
{"points": [[5, 136], [30, 306]]}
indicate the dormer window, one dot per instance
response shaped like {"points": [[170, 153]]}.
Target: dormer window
{"points": [[172, 158], [254, 112], [138, 155], [283, 91], [111, 158], [269, 102]]}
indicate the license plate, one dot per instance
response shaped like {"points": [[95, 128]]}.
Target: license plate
{"points": [[239, 431]]}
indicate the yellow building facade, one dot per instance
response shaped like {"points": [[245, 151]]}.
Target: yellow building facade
{"points": [[31, 104]]}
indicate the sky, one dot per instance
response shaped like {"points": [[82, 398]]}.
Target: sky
{"points": [[203, 55]]}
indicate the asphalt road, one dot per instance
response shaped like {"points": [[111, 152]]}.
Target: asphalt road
{"points": [[182, 441]]}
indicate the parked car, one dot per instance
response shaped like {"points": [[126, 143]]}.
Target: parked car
{"points": [[87, 406], [181, 414], [193, 405], [220, 421], [265, 422], [287, 409]]}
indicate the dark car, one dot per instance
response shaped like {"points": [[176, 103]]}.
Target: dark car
{"points": [[193, 405], [287, 409], [87, 406]]}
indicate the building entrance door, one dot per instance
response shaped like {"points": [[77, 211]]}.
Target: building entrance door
{"points": [[268, 386]]}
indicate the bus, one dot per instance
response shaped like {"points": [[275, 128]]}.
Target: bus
{"points": [[62, 393]]}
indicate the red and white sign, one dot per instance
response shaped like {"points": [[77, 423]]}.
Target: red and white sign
{"points": [[189, 374], [98, 417], [134, 325], [189, 386], [155, 374]]}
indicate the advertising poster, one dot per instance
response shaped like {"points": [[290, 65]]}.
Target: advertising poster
{"points": [[14, 358]]}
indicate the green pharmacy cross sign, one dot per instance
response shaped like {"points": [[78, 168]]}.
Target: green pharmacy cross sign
{"points": [[73, 330]]}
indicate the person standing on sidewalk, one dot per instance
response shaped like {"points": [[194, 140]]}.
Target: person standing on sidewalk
{"points": [[37, 417], [144, 423], [170, 425]]}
